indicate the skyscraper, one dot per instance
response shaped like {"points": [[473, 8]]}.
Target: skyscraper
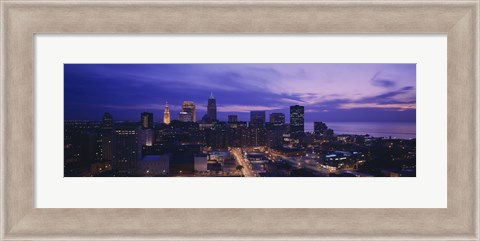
{"points": [[276, 129], [277, 119], [232, 118], [184, 116], [257, 119], [88, 147], [146, 120], [297, 121], [166, 115], [145, 138], [107, 121], [107, 137], [126, 148], [212, 108], [256, 129], [189, 107]]}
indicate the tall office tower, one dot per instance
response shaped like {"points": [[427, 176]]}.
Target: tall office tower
{"points": [[166, 115], [145, 139], [232, 118], [107, 137], [189, 107], [212, 108], [146, 120], [184, 116], [107, 120], [276, 129], [297, 121], [126, 148], [238, 134], [257, 136], [257, 119], [88, 147], [233, 121], [277, 119]]}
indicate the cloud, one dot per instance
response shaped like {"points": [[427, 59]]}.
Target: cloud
{"points": [[384, 83], [238, 87], [379, 80], [142, 107], [401, 99], [245, 108], [399, 107], [403, 95]]}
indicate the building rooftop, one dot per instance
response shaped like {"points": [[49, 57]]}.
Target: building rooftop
{"points": [[152, 158]]}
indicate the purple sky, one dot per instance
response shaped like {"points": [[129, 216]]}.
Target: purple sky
{"points": [[329, 92]]}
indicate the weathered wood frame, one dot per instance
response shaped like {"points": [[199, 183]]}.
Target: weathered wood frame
{"points": [[21, 20]]}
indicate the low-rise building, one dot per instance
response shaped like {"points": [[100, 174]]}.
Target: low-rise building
{"points": [[154, 165], [201, 162]]}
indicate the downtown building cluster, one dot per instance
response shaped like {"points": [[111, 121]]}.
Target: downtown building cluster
{"points": [[185, 146]]}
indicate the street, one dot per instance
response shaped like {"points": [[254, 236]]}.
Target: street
{"points": [[246, 170]]}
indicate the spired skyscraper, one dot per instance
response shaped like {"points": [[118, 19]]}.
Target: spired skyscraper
{"points": [[166, 114], [189, 107], [297, 121], [212, 108]]}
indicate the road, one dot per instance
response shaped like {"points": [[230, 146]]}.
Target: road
{"points": [[312, 167], [246, 170]]}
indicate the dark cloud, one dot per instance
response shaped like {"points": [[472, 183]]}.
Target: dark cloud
{"points": [[378, 80], [387, 97], [384, 83]]}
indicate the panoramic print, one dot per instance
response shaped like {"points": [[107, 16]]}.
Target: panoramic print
{"points": [[239, 120]]}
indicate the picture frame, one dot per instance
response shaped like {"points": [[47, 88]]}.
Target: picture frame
{"points": [[21, 20]]}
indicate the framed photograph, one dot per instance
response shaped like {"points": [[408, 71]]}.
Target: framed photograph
{"points": [[227, 120]]}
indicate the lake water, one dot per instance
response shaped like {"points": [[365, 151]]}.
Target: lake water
{"points": [[404, 130]]}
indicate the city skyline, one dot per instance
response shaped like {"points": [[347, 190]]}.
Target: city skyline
{"points": [[240, 120], [387, 96]]}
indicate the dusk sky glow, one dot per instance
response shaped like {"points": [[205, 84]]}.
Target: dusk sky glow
{"points": [[329, 92]]}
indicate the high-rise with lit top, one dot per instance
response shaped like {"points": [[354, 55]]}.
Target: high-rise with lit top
{"points": [[189, 107], [166, 115]]}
